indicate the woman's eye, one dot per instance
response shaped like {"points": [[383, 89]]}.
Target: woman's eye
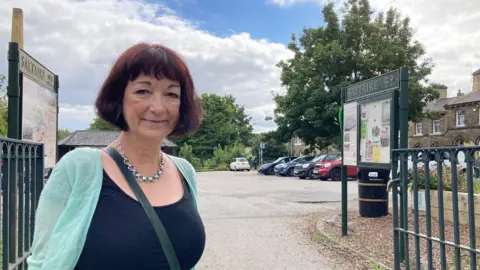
{"points": [[142, 92], [174, 95]]}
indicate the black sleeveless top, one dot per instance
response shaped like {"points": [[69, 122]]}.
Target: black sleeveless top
{"points": [[121, 236]]}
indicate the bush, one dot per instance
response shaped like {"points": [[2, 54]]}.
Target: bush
{"points": [[186, 152], [220, 161], [447, 180]]}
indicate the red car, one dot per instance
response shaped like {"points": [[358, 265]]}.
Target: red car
{"points": [[332, 169]]}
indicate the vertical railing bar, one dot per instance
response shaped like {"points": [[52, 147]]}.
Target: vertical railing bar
{"points": [[404, 177], [441, 218], [34, 189], [428, 213], [456, 225], [471, 207], [20, 196], [415, 210], [396, 233], [27, 200], [12, 206], [5, 212]]}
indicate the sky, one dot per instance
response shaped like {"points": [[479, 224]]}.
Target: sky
{"points": [[231, 47]]}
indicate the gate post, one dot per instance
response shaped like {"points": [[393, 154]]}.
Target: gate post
{"points": [[403, 126], [13, 92]]}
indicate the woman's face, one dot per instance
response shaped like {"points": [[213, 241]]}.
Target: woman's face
{"points": [[151, 106]]}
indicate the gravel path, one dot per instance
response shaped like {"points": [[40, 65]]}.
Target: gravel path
{"points": [[255, 222]]}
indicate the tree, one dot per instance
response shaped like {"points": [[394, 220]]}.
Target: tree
{"points": [[62, 133], [225, 123], [275, 146], [3, 108], [338, 54], [100, 124]]}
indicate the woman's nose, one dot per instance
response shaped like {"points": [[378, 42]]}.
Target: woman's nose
{"points": [[158, 104]]}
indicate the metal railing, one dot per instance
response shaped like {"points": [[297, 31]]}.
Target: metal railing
{"points": [[441, 171], [21, 183]]}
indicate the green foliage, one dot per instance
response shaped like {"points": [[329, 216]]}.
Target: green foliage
{"points": [[3, 117], [220, 161], [186, 152], [275, 145], [100, 124], [330, 57], [3, 108], [433, 114], [62, 133], [225, 123], [446, 178]]}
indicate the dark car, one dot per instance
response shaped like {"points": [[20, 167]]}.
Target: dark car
{"points": [[286, 169], [268, 168], [306, 169]]}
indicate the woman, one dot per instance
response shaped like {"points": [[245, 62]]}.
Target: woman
{"points": [[88, 216]]}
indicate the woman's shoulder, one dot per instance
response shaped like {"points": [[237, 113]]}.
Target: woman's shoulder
{"points": [[80, 156], [184, 165], [82, 159]]}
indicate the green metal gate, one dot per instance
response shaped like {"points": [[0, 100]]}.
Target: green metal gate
{"points": [[22, 180], [443, 172]]}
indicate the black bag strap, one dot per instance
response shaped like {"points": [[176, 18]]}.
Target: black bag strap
{"points": [[152, 216]]}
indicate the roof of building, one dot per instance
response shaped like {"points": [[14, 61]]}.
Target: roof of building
{"points": [[97, 138], [477, 72], [469, 97], [441, 104]]}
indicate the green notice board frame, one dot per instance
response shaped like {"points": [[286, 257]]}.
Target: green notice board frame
{"points": [[23, 69], [391, 86], [384, 87]]}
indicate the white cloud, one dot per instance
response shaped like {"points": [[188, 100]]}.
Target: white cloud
{"points": [[448, 29], [79, 40], [287, 3]]}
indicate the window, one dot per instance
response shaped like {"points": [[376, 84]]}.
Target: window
{"points": [[436, 126], [419, 128], [460, 118]]}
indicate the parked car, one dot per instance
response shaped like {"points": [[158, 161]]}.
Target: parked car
{"points": [[268, 168], [286, 169], [461, 164], [305, 170], [332, 170], [240, 164]]}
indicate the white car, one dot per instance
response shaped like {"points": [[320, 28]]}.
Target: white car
{"points": [[240, 164]]}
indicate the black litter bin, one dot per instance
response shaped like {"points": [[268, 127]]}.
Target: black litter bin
{"points": [[372, 192]]}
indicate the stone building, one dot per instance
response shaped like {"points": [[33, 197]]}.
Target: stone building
{"points": [[449, 121]]}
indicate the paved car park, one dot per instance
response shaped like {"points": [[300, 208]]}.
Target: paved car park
{"points": [[253, 220]]}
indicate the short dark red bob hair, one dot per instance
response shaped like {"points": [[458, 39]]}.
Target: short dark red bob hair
{"points": [[150, 60]]}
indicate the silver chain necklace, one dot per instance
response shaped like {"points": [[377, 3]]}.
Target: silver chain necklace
{"points": [[136, 174]]}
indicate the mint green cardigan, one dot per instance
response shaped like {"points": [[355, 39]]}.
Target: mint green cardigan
{"points": [[67, 204]]}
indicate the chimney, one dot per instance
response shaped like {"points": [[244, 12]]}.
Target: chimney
{"points": [[459, 93], [441, 89], [476, 80]]}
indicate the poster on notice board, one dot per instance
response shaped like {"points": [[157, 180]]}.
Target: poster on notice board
{"points": [[39, 121], [375, 131], [350, 134]]}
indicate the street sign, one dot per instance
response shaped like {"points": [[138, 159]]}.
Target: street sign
{"points": [[262, 145], [373, 86]]}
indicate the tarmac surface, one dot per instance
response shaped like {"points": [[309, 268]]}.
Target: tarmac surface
{"points": [[258, 222]]}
